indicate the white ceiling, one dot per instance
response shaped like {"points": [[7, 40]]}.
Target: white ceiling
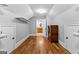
{"points": [[46, 7], [60, 8], [20, 10], [28, 11]]}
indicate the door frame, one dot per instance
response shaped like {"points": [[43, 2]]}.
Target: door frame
{"points": [[45, 28]]}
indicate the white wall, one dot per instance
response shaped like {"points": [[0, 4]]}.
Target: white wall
{"points": [[22, 31], [32, 26], [60, 8]]}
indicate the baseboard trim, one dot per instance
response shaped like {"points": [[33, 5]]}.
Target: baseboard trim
{"points": [[19, 43], [32, 34], [62, 44]]}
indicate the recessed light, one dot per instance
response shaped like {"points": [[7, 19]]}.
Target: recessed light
{"points": [[41, 11]]}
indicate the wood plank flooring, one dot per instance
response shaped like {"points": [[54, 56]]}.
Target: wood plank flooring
{"points": [[39, 45]]}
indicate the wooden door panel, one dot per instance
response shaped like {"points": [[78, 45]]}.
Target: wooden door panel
{"points": [[53, 33]]}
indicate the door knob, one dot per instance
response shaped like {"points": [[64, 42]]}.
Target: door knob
{"points": [[13, 38], [66, 37]]}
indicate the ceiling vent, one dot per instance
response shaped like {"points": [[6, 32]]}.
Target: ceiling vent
{"points": [[3, 5], [22, 19]]}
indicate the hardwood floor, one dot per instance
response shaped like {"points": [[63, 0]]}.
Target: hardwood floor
{"points": [[39, 45]]}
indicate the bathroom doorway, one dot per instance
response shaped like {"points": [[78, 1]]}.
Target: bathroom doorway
{"points": [[41, 27]]}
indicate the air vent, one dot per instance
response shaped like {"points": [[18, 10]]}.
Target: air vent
{"points": [[3, 5], [22, 19]]}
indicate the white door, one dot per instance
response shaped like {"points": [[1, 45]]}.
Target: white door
{"points": [[67, 37], [11, 38], [72, 42], [41, 23], [3, 44]]}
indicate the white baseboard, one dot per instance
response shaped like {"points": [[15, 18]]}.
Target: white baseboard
{"points": [[19, 43], [62, 44], [32, 34]]}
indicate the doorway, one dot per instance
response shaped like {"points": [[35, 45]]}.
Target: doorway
{"points": [[41, 27]]}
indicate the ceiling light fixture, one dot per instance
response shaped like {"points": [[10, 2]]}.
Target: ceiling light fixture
{"points": [[41, 11]]}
